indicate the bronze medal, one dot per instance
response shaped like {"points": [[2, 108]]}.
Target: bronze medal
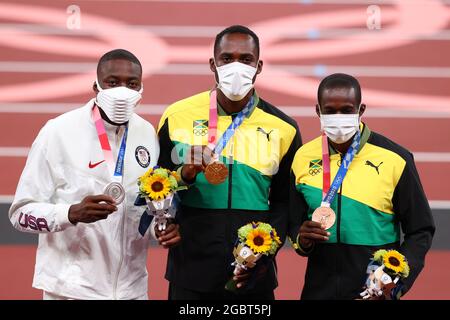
{"points": [[216, 172], [325, 216]]}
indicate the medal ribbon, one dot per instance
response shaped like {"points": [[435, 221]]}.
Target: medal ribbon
{"points": [[228, 134], [106, 147], [340, 175], [325, 165]]}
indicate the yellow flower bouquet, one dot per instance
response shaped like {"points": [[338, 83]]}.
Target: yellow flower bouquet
{"points": [[255, 240], [385, 271], [158, 187]]}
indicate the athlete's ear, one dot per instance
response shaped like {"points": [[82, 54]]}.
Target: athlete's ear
{"points": [[318, 110], [259, 66], [362, 109], [212, 65], [213, 68], [94, 87]]}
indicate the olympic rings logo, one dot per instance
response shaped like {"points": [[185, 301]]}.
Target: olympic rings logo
{"points": [[200, 132], [315, 171]]}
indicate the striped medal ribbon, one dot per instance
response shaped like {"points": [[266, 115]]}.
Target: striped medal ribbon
{"points": [[114, 189]]}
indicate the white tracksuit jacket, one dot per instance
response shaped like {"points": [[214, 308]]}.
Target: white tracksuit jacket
{"points": [[101, 260]]}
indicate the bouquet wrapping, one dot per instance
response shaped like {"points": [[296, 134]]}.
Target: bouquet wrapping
{"points": [[385, 271], [255, 240], [158, 187]]}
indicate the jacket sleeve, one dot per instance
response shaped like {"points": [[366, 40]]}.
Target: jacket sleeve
{"points": [[298, 213], [279, 189], [168, 157], [32, 209], [411, 205]]}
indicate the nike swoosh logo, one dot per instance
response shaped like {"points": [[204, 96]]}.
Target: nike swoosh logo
{"points": [[93, 165]]}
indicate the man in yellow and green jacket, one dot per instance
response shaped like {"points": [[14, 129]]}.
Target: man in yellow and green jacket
{"points": [[380, 196], [258, 158]]}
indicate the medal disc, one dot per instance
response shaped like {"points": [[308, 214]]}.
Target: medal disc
{"points": [[325, 216], [116, 191], [216, 172]]}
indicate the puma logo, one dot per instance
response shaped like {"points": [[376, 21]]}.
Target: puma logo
{"points": [[263, 131], [370, 164]]}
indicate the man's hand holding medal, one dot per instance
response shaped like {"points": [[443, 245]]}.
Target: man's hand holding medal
{"points": [[202, 159]]}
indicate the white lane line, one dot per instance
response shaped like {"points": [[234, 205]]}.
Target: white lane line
{"points": [[209, 32], [368, 71], [47, 67], [439, 204], [14, 151], [387, 112], [434, 204], [59, 108], [299, 2], [322, 70], [4, 198], [203, 69], [158, 109], [432, 156], [418, 156]]}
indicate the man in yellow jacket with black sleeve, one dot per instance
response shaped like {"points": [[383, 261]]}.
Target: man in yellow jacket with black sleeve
{"points": [[351, 191], [248, 146]]}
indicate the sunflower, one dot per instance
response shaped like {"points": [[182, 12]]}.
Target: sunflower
{"points": [[405, 272], [259, 241], [395, 261], [156, 187], [145, 176]]}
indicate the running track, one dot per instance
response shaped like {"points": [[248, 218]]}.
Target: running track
{"points": [[47, 67]]}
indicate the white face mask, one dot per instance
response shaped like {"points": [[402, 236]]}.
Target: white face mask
{"points": [[339, 127], [235, 80], [118, 103]]}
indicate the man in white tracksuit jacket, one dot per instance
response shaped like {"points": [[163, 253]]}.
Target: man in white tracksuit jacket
{"points": [[89, 245]]}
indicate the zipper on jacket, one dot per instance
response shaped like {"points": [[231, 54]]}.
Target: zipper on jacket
{"points": [[338, 238], [230, 181], [122, 221], [230, 172], [116, 279], [338, 218], [338, 228]]}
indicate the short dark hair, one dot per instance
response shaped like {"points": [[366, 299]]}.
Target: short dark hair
{"points": [[339, 80], [236, 29], [118, 54]]}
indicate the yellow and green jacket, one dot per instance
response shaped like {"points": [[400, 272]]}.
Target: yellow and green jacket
{"points": [[380, 195], [258, 156]]}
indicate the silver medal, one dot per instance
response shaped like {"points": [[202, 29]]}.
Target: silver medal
{"points": [[116, 191]]}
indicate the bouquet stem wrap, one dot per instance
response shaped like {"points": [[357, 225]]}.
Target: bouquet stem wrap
{"points": [[160, 209]]}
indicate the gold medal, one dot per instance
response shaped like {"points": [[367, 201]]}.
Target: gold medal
{"points": [[216, 172], [325, 216]]}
